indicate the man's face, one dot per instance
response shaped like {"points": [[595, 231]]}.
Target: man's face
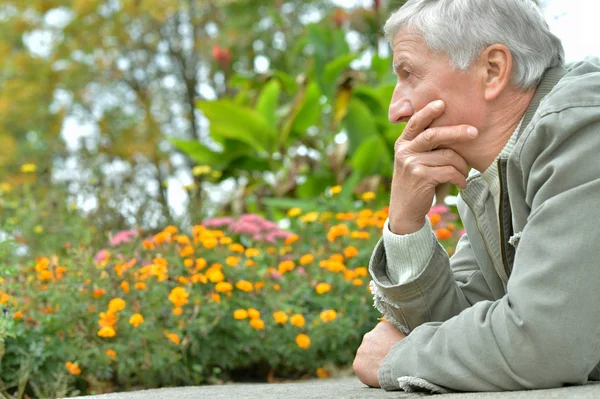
{"points": [[424, 77]]}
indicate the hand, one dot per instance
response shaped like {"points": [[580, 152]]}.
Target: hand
{"points": [[421, 164], [375, 346]]}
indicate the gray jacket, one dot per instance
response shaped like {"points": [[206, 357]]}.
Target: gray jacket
{"points": [[516, 307]]}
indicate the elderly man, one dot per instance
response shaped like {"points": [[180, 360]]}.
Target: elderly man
{"points": [[481, 85]]}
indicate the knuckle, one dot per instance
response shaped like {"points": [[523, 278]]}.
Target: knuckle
{"points": [[429, 135], [448, 154]]}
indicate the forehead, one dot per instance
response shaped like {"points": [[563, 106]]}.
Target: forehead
{"points": [[409, 45]]}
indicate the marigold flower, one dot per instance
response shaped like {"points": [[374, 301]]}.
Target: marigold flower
{"points": [[361, 272], [136, 319], [183, 280], [112, 354], [286, 266], [360, 235], [306, 259], [215, 297], [200, 264], [177, 311], [188, 250], [303, 341], [294, 212], [259, 285], [244, 285], [257, 324], [291, 239], [443, 234], [199, 278], [350, 252], [239, 248], [337, 231], [240, 314], [148, 244], [328, 315], [116, 305], [252, 252], [250, 263], [214, 275], [232, 261], [73, 368], [124, 286], [335, 190], [173, 338], [188, 263], [253, 313], [107, 319], [210, 243], [345, 216], [357, 281], [28, 168], [178, 296], [322, 288], [276, 287], [162, 237], [106, 332], [310, 217], [225, 240], [171, 230], [297, 320], [368, 196], [140, 286], [223, 287], [322, 373], [18, 315], [435, 218], [280, 317]]}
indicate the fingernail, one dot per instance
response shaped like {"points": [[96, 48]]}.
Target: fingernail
{"points": [[471, 131], [438, 105]]}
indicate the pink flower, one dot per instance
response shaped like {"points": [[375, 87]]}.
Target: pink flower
{"points": [[275, 275], [300, 271], [439, 209], [101, 256], [217, 222], [122, 237]]}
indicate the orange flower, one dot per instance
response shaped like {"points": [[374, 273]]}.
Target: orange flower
{"points": [[200, 264], [183, 280], [345, 216], [253, 313], [140, 286], [223, 287], [244, 285], [286, 266], [179, 296], [148, 244], [322, 288], [215, 297], [199, 278], [257, 324], [306, 259], [297, 320], [361, 272], [322, 373], [280, 317], [173, 338], [276, 287], [136, 319], [177, 311], [18, 315], [171, 230], [291, 239], [239, 248], [107, 319], [350, 252], [98, 292], [188, 263], [188, 250], [357, 281], [252, 252], [443, 234], [111, 354], [232, 261], [106, 332], [240, 314], [337, 231], [328, 315], [435, 219], [215, 275], [125, 286], [303, 341], [250, 263], [209, 242], [259, 285], [116, 305], [73, 368], [225, 240], [360, 235]]}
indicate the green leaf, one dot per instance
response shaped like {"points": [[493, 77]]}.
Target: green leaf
{"points": [[372, 99], [268, 100], [288, 83], [200, 154], [286, 203], [381, 66], [334, 68], [231, 121], [372, 157], [307, 112], [315, 184], [359, 124]]}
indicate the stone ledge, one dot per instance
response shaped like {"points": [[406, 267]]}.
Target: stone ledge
{"points": [[349, 388]]}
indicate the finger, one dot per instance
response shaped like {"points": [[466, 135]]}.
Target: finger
{"points": [[447, 174], [422, 119], [435, 137], [441, 157]]}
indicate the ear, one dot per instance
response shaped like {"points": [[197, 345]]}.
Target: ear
{"points": [[496, 62]]}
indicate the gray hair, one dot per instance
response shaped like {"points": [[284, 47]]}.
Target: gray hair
{"points": [[463, 28]]}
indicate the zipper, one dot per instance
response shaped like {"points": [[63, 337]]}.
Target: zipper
{"points": [[500, 272], [503, 238]]}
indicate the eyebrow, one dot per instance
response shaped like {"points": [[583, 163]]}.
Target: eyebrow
{"points": [[400, 63]]}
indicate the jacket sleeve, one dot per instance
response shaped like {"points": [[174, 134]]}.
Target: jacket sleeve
{"points": [[545, 332], [438, 292]]}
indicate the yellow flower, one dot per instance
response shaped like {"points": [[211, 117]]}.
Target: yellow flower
{"points": [[111, 354], [253, 313], [215, 275], [368, 196], [73, 368], [106, 332], [361, 272], [136, 319], [294, 212], [223, 287], [328, 315], [232, 261], [350, 252], [177, 311], [173, 338], [28, 168], [322, 288], [199, 278], [5, 187], [257, 324], [250, 263], [200, 264], [297, 320], [310, 217], [244, 285], [188, 250], [280, 317], [178, 296], [303, 341], [335, 190], [140, 286], [252, 252], [107, 319], [39, 229], [276, 287], [291, 239], [116, 305], [286, 266], [225, 240], [125, 286], [240, 314], [200, 170], [322, 373], [237, 248], [306, 259], [357, 281]]}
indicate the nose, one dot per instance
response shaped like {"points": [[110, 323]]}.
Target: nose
{"points": [[400, 109]]}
